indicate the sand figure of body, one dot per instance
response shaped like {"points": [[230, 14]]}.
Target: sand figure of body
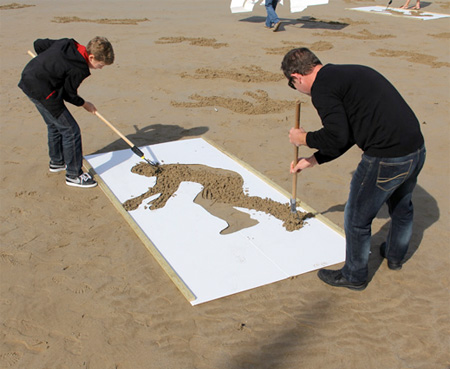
{"points": [[222, 192], [127, 21], [264, 104]]}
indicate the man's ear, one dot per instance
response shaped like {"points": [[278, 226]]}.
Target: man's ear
{"points": [[297, 76]]}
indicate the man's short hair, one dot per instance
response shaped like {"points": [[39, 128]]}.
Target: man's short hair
{"points": [[102, 50], [301, 61]]}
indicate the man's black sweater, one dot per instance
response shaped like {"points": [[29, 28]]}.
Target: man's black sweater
{"points": [[358, 105], [55, 74]]}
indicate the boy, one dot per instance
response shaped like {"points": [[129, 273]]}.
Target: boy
{"points": [[53, 77]]}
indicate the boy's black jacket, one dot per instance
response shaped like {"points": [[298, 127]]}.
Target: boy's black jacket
{"points": [[55, 74]]}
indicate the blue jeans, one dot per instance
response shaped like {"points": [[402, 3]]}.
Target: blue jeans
{"points": [[64, 140], [377, 181], [272, 17]]}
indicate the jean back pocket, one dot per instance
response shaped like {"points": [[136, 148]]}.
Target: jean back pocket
{"points": [[392, 175]]}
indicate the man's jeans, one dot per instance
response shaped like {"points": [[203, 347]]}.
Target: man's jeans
{"points": [[272, 17], [376, 181], [64, 139]]}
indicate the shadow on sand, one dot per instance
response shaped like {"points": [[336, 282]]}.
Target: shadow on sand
{"points": [[426, 213], [304, 22], [153, 134]]}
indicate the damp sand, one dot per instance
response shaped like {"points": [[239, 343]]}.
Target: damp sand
{"points": [[222, 193]]}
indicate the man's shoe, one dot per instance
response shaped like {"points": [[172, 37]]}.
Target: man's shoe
{"points": [[336, 279], [85, 180], [276, 26], [391, 264], [54, 168]]}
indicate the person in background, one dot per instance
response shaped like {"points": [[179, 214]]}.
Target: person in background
{"points": [[50, 79], [272, 20], [406, 5], [357, 105]]}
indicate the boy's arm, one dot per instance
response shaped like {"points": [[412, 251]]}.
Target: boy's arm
{"points": [[72, 82], [42, 44]]}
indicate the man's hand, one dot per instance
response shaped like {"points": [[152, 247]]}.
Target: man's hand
{"points": [[297, 136], [90, 107], [303, 163]]}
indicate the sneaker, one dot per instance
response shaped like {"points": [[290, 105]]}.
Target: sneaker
{"points": [[391, 264], [54, 168], [85, 180], [336, 279], [276, 26]]}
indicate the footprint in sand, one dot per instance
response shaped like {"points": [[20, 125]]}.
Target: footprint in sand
{"points": [[8, 259], [10, 359], [25, 334], [73, 286]]}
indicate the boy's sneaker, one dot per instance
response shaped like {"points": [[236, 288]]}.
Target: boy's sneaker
{"points": [[85, 180], [54, 168]]}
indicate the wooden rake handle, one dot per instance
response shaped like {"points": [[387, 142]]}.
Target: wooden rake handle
{"points": [[297, 125], [114, 129]]}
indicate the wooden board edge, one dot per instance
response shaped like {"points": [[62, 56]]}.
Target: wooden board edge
{"points": [[184, 289]]}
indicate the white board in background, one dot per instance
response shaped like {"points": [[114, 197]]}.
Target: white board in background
{"points": [[300, 5], [396, 12], [212, 265], [243, 6]]}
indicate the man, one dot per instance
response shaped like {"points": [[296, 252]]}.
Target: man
{"points": [[357, 105], [50, 79]]}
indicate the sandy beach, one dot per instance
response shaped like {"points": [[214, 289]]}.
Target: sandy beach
{"points": [[78, 289]]}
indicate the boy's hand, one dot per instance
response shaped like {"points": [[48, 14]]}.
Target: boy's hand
{"points": [[90, 107]]}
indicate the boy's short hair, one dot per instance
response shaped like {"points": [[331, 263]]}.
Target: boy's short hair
{"points": [[102, 50], [301, 61]]}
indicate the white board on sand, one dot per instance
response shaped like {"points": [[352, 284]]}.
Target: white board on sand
{"points": [[397, 12], [242, 6], [186, 237]]}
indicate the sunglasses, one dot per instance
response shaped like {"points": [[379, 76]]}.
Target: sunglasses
{"points": [[291, 83]]}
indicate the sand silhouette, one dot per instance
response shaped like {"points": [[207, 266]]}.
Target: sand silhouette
{"points": [[315, 46], [245, 73], [411, 56], [126, 21], [14, 6], [362, 35], [222, 192], [264, 104], [195, 41]]}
